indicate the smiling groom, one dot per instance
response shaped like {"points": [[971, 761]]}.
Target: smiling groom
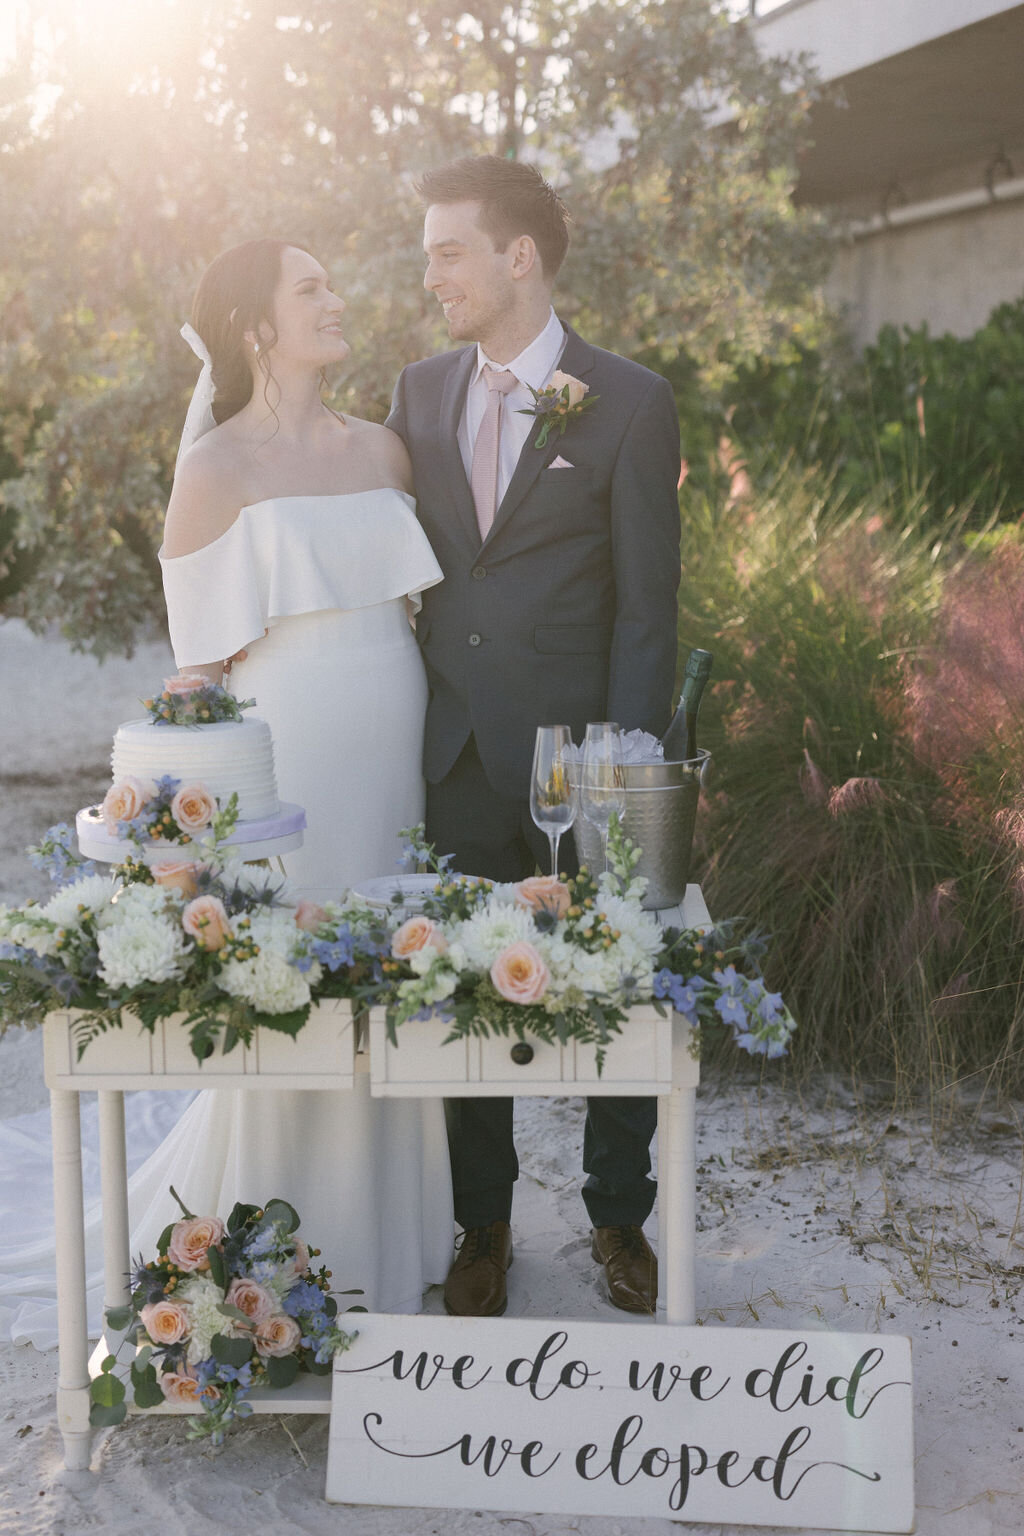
{"points": [[561, 564]]}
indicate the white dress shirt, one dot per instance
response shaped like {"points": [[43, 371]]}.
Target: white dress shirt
{"points": [[534, 365]]}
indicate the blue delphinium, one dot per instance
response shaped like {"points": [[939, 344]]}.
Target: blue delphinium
{"points": [[56, 857]]}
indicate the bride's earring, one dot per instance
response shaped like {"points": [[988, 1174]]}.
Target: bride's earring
{"points": [[256, 348]]}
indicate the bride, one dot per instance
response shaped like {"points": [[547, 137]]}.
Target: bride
{"points": [[290, 541], [291, 545]]}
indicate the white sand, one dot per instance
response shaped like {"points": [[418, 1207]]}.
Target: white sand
{"points": [[810, 1214]]}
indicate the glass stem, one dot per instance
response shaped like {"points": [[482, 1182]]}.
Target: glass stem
{"points": [[554, 838]]}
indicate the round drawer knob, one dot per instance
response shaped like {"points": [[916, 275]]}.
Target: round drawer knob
{"points": [[521, 1053]]}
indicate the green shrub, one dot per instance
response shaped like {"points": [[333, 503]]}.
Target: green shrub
{"points": [[917, 413]]}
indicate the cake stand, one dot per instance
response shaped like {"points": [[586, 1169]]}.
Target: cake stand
{"points": [[267, 839]]}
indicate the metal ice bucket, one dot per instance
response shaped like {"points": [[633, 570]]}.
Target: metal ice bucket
{"points": [[661, 809]]}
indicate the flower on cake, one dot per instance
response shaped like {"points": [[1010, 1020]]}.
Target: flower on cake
{"points": [[125, 800], [208, 1323], [193, 808], [190, 699], [167, 812]]}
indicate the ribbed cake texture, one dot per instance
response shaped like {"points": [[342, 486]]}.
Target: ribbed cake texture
{"points": [[229, 757]]}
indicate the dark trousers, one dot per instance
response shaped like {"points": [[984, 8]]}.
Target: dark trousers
{"points": [[494, 836]]}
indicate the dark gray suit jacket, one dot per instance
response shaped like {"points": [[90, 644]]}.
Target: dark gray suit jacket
{"points": [[567, 613]]}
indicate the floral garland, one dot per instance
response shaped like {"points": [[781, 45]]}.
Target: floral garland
{"points": [[222, 1309], [566, 959], [205, 938], [221, 946]]}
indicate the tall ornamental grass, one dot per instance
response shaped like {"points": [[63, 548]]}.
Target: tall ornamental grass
{"points": [[867, 803]]}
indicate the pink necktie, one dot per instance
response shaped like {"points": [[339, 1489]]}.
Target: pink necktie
{"points": [[483, 479]]}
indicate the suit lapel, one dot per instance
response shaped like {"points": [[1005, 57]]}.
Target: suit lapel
{"points": [[577, 359], [453, 399]]}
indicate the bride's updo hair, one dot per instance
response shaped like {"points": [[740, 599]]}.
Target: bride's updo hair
{"points": [[235, 294]]}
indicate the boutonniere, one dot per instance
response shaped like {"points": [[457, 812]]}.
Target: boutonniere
{"points": [[558, 404]]}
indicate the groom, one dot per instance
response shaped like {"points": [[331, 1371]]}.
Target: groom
{"points": [[561, 565]]}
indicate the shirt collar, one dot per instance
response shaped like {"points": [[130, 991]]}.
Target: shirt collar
{"points": [[535, 361]]}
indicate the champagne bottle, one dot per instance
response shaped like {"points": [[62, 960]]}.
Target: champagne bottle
{"points": [[680, 740]]}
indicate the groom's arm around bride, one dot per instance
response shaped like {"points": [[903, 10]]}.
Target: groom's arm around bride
{"points": [[561, 565]]}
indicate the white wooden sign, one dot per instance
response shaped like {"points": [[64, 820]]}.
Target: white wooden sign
{"points": [[715, 1425]]}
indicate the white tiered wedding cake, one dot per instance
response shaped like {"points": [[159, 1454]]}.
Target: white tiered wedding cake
{"points": [[179, 771]]}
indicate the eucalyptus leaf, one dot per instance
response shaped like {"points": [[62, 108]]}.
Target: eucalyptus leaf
{"points": [[106, 1390], [231, 1351], [281, 1372]]}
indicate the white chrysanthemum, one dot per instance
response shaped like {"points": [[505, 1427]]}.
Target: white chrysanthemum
{"points": [[142, 949], [488, 931], [202, 1296], [136, 903], [267, 982], [636, 926], [94, 893]]}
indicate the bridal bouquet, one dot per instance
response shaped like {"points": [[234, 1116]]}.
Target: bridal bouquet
{"points": [[558, 959], [222, 1308], [215, 942]]}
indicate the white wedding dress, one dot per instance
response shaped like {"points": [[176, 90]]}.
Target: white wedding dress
{"points": [[338, 677]]}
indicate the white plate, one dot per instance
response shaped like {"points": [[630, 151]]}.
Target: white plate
{"points": [[396, 890]]}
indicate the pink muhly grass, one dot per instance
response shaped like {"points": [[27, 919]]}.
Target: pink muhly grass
{"points": [[933, 923], [966, 697], [855, 795], [814, 785]]}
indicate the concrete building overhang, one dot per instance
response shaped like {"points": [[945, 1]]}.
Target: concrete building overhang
{"points": [[925, 89]]}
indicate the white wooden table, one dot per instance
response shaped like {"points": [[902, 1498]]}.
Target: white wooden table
{"points": [[651, 1058]]}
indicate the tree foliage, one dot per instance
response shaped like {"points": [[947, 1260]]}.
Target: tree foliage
{"points": [[132, 153]]}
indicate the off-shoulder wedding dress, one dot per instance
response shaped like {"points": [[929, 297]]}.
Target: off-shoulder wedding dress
{"points": [[315, 588]]}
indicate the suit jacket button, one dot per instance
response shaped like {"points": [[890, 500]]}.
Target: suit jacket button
{"points": [[478, 572], [474, 639]]}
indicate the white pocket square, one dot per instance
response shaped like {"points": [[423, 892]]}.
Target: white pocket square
{"points": [[559, 463]]}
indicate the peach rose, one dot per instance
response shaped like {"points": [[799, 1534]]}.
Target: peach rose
{"points": [[309, 915], [251, 1298], [544, 891], [520, 974], [165, 1321], [184, 683], [178, 875], [182, 1387], [577, 389], [205, 919], [301, 1256], [124, 800], [193, 807], [417, 933], [277, 1335], [191, 1238]]}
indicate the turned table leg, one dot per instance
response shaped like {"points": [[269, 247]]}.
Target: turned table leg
{"points": [[677, 1189], [114, 1192], [72, 1334]]}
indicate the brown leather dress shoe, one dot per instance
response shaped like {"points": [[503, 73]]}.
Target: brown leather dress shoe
{"points": [[629, 1265], [475, 1286]]}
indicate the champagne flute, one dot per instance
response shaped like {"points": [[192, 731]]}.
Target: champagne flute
{"points": [[603, 789], [552, 796]]}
